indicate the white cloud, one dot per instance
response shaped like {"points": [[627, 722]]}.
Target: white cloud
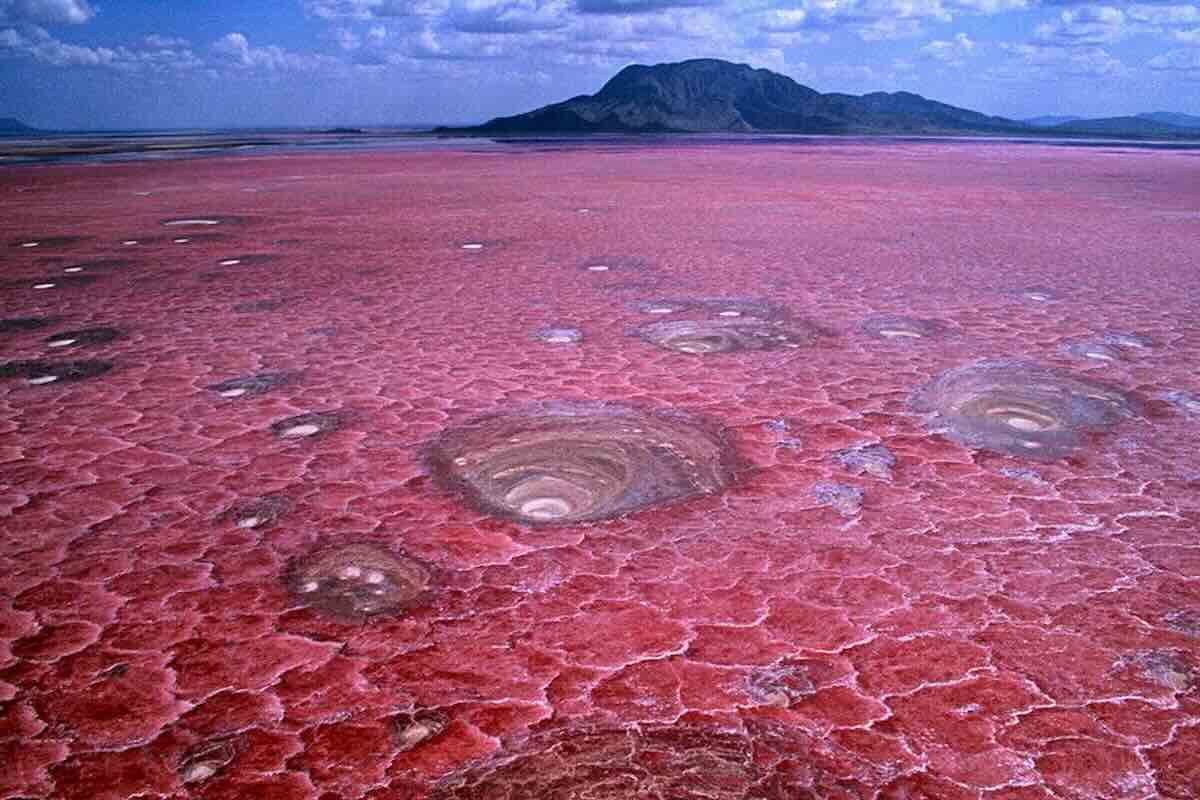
{"points": [[952, 52], [46, 11], [234, 50], [1085, 26]]}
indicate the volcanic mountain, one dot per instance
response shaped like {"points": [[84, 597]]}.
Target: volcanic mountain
{"points": [[710, 95]]}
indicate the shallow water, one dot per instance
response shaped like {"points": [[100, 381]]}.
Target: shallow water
{"points": [[243, 561]]}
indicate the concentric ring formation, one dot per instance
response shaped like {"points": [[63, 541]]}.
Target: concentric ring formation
{"points": [[1021, 408], [563, 463], [357, 580]]}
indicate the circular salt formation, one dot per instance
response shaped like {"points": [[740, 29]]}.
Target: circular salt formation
{"points": [[83, 337], [559, 335], [1020, 408], [566, 463], [45, 372], [192, 222], [705, 337], [656, 762], [251, 385], [357, 580], [1095, 351], [303, 426], [902, 328]]}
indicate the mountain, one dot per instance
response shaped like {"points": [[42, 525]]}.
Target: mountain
{"points": [[1124, 126], [1048, 121], [10, 126], [1172, 118], [709, 95]]}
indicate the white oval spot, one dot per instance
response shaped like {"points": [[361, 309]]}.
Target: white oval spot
{"points": [[546, 508], [73, 269], [61, 343], [230, 262], [44, 285], [238, 392], [43, 379], [302, 430]]}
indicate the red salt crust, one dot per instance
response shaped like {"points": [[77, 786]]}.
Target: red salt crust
{"points": [[986, 627]]}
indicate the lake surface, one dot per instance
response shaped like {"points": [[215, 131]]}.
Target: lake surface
{"points": [[786, 471]]}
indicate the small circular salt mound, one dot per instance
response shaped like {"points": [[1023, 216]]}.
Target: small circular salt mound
{"points": [[902, 328], [39, 373], [1021, 408], [566, 463], [352, 581], [727, 335], [303, 426]]}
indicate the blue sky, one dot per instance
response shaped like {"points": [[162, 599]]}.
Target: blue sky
{"points": [[212, 63]]}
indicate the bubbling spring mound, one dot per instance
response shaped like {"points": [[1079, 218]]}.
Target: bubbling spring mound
{"points": [[357, 580], [578, 462], [728, 334], [1022, 409]]}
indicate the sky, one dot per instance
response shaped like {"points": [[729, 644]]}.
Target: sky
{"points": [[121, 64]]}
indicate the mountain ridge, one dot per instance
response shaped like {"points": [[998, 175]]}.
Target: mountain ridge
{"points": [[716, 96]]}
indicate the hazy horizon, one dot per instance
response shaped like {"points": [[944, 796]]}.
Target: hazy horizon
{"points": [[135, 64]]}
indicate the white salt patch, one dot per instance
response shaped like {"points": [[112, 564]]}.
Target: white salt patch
{"points": [[43, 379], [61, 343], [233, 392], [230, 262], [192, 222], [302, 430], [598, 268], [472, 246], [44, 285], [73, 269]]}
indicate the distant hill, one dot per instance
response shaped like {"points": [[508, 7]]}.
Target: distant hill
{"points": [[1124, 126], [709, 95], [1048, 121], [1172, 118], [10, 126]]}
